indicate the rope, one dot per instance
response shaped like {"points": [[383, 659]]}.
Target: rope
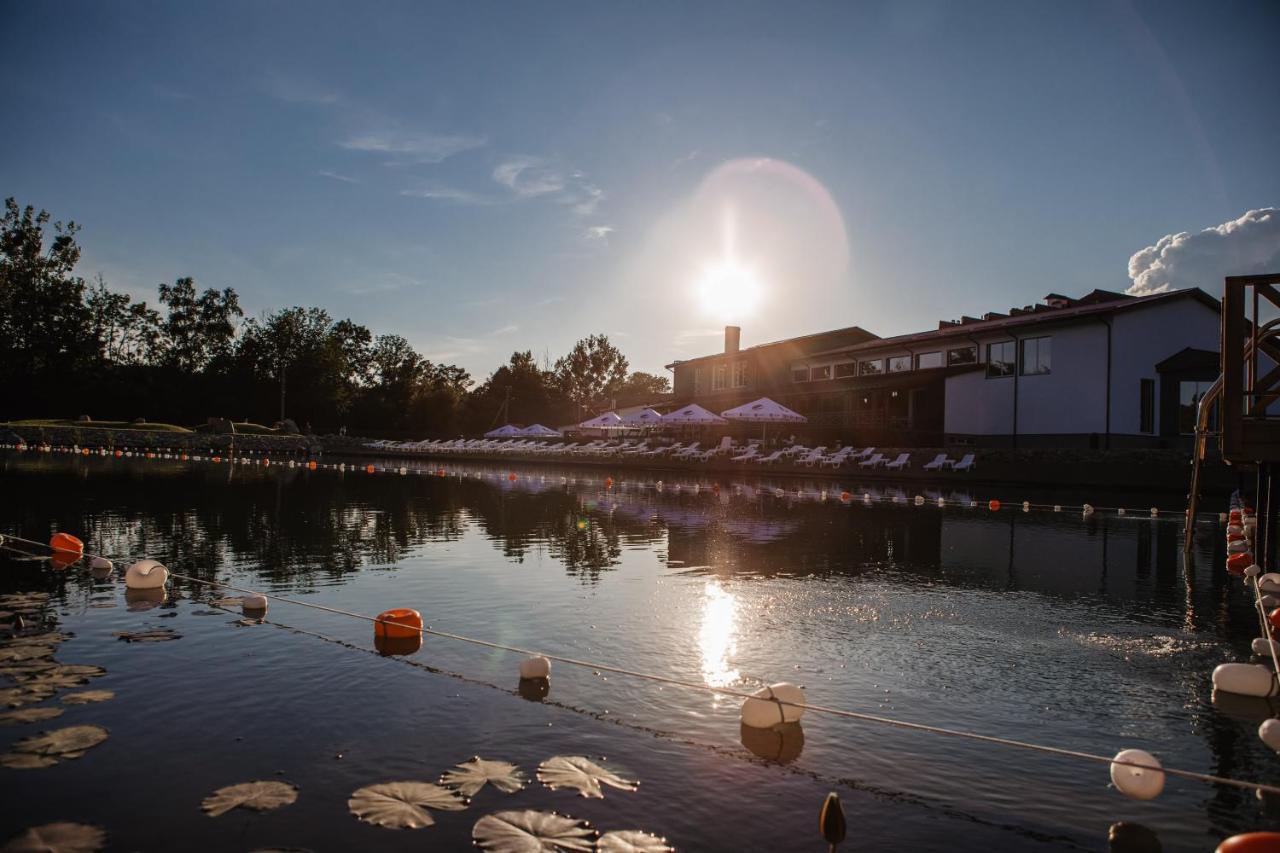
{"points": [[723, 691]]}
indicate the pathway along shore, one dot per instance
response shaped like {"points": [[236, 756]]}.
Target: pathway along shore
{"points": [[1160, 470]]}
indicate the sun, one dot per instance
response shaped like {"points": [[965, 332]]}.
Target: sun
{"points": [[728, 289]]}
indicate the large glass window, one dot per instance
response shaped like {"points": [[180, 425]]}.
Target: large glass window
{"points": [[845, 369], [926, 360], [699, 380], [963, 355], [899, 363], [870, 366], [800, 374], [1001, 358], [1146, 405], [741, 374], [720, 377], [1036, 354], [1189, 396], [820, 372]]}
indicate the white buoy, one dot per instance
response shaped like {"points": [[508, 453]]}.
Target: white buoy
{"points": [[1237, 547], [919, 500], [101, 564], [1247, 679], [1120, 511], [1263, 646], [535, 667], [1269, 583], [1155, 513], [1270, 601], [1253, 571], [766, 706], [255, 604], [1057, 507], [1140, 783], [1269, 731], [146, 574], [1087, 510]]}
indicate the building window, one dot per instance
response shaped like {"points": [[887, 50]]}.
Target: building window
{"points": [[964, 355], [871, 367], [740, 374], [699, 380], [719, 377], [799, 374], [926, 360], [1036, 354], [846, 369], [1146, 405], [899, 363], [1000, 359], [1189, 396], [822, 372]]}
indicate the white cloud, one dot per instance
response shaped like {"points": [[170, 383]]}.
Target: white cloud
{"points": [[508, 329], [528, 177], [443, 193], [412, 147], [598, 232], [325, 173], [293, 90], [1244, 246]]}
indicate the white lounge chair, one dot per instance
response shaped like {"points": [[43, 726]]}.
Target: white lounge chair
{"points": [[864, 453], [874, 461], [939, 462], [688, 451], [753, 452], [903, 461], [771, 458], [966, 463]]}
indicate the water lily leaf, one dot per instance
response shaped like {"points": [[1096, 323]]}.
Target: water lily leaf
{"points": [[259, 796], [533, 832], [159, 635], [70, 742], [470, 776], [29, 715], [403, 805], [21, 653], [61, 837], [84, 697], [581, 774], [632, 841], [25, 761], [44, 638], [25, 694], [27, 669]]}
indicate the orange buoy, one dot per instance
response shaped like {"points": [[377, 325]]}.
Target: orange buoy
{"points": [[66, 544], [439, 472], [388, 646], [993, 505], [312, 465], [512, 476], [63, 559], [1251, 842], [217, 459], [1237, 563], [84, 451], [846, 497], [608, 482], [119, 453], [369, 469], [399, 623]]}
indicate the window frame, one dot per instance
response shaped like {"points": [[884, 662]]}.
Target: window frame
{"points": [[900, 359], [1147, 406], [814, 370], [797, 371], [864, 363], [720, 377], [971, 350], [920, 355], [846, 369], [1012, 364], [740, 375], [1040, 341]]}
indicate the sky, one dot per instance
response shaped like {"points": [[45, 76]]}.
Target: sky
{"points": [[489, 177]]}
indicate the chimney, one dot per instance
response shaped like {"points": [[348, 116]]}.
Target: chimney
{"points": [[732, 337]]}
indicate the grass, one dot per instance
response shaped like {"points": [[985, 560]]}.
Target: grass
{"points": [[254, 429], [67, 422]]}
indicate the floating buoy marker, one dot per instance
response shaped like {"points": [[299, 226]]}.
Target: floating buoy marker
{"points": [[146, 574], [769, 706], [831, 821], [1141, 783], [535, 667]]}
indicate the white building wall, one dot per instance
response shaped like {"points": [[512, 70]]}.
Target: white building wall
{"points": [[1072, 397]]}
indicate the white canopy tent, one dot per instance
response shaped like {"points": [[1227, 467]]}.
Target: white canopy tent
{"points": [[766, 411], [643, 419], [609, 420], [692, 415], [506, 431], [539, 431]]}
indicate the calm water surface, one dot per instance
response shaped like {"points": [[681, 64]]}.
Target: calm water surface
{"points": [[1086, 634]]}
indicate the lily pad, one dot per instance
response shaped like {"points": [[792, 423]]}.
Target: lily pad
{"points": [[27, 669], [29, 715], [533, 832], [159, 635], [44, 638], [70, 742], [25, 694], [632, 841], [581, 774], [61, 837], [403, 805], [23, 653], [25, 761], [470, 776], [85, 697], [259, 796]]}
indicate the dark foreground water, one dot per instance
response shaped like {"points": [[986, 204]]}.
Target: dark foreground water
{"points": [[1086, 634]]}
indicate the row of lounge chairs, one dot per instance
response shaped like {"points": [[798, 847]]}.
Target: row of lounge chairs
{"points": [[815, 457]]}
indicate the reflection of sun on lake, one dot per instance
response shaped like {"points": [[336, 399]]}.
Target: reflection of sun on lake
{"points": [[716, 637]]}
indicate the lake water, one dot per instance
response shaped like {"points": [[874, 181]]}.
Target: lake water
{"points": [[1081, 633]]}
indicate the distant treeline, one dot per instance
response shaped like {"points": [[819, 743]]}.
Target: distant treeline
{"points": [[69, 347]]}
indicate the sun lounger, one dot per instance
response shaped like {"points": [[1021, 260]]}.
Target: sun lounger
{"points": [[903, 461], [874, 461], [939, 462], [966, 463]]}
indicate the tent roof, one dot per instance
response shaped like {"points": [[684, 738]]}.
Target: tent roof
{"points": [[692, 414], [503, 431], [766, 411], [539, 431], [644, 417], [605, 421]]}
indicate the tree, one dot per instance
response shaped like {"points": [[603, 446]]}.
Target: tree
{"points": [[283, 339], [127, 332], [198, 329], [641, 384], [592, 371]]}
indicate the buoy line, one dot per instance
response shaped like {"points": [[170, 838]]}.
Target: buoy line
{"points": [[1140, 763], [822, 495]]}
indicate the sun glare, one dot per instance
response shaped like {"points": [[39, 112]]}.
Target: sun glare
{"points": [[728, 290]]}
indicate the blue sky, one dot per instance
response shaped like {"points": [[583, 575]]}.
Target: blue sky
{"points": [[484, 177]]}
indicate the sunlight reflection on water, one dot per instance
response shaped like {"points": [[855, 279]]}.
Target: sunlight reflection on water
{"points": [[717, 638]]}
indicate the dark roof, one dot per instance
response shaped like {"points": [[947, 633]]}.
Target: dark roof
{"points": [[1096, 304], [786, 341], [1189, 358]]}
